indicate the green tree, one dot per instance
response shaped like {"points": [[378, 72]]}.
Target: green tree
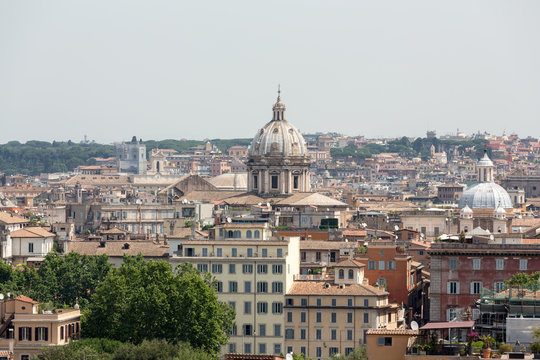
{"points": [[524, 279], [147, 300], [357, 354]]}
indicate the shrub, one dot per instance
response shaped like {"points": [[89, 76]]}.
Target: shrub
{"points": [[504, 348]]}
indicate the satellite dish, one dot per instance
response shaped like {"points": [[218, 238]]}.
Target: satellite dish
{"points": [[288, 357], [229, 220], [414, 325], [1, 296], [396, 227], [346, 240]]}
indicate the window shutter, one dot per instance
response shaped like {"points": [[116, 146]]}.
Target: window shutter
{"points": [[457, 287], [448, 315], [37, 335], [448, 287], [46, 334], [472, 287]]}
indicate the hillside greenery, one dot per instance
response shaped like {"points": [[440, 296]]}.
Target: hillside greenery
{"points": [[36, 157]]}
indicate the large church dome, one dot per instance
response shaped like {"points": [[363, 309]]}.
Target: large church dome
{"points": [[485, 195], [278, 137]]}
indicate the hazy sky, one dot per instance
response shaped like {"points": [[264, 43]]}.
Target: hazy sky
{"points": [[195, 69]]}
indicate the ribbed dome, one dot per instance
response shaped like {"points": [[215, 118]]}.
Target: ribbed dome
{"points": [[278, 137], [485, 195]]}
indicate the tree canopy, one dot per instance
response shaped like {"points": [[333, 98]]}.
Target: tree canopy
{"points": [[144, 300], [524, 279]]}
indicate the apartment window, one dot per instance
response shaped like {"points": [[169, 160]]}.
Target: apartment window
{"points": [[249, 252], [334, 302], [333, 317], [262, 307], [30, 247], [499, 264], [348, 350], [234, 252], [256, 234], [217, 268], [318, 256], [318, 351], [289, 316], [232, 268], [319, 302], [289, 334], [42, 334], [303, 350], [366, 302], [349, 302], [349, 334], [233, 287], [333, 334], [277, 330], [381, 282], [295, 182], [25, 333], [349, 317], [262, 269], [302, 334], [303, 317], [202, 267], [372, 265], [341, 274], [232, 348], [248, 329], [522, 264], [498, 286], [476, 264], [277, 287], [277, 349], [423, 230], [247, 268], [247, 348], [247, 307], [219, 252], [277, 308], [264, 253], [219, 286], [318, 334], [303, 302], [61, 333], [303, 256], [290, 302], [476, 287], [277, 269], [366, 318], [384, 341], [279, 252], [233, 305], [333, 350], [381, 264], [318, 317], [391, 265], [453, 264], [247, 286], [262, 287], [204, 251], [452, 287], [351, 274], [262, 347], [249, 234]]}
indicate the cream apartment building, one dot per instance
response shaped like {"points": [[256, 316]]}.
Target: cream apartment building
{"points": [[331, 314], [253, 270]]}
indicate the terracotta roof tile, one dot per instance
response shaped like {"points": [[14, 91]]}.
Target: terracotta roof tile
{"points": [[32, 232], [329, 288]]}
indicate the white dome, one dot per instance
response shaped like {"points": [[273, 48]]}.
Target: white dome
{"points": [[278, 137], [486, 195]]}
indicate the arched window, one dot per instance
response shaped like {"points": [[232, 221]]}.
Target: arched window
{"points": [[341, 273], [351, 274], [248, 234], [237, 234], [257, 234], [230, 234]]}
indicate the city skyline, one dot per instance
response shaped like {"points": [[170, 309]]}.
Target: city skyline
{"points": [[359, 68]]}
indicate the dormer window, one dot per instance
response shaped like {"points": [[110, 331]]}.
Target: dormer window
{"points": [[351, 274], [341, 274]]}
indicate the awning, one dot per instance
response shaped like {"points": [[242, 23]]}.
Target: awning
{"points": [[448, 325]]}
